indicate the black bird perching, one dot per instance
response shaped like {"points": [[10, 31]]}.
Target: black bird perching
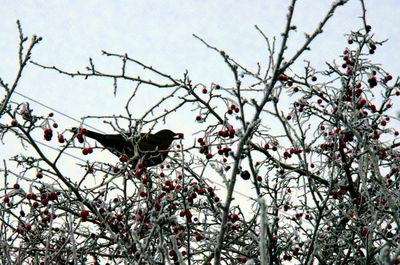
{"points": [[146, 148]]}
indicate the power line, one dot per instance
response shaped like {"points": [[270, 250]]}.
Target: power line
{"points": [[56, 149], [57, 111], [86, 125]]}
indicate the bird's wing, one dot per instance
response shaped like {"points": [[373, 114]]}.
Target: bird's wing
{"points": [[145, 146]]}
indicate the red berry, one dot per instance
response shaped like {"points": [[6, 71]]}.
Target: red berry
{"points": [[230, 111], [204, 90], [83, 131], [16, 186], [282, 77], [45, 201], [53, 195], [364, 231], [39, 175], [14, 123], [209, 156], [84, 215], [372, 82], [61, 139], [123, 159], [55, 125], [48, 134], [350, 71], [198, 118], [287, 257], [48, 131], [145, 180], [85, 151], [296, 251], [245, 175], [349, 41], [168, 183], [314, 78]]}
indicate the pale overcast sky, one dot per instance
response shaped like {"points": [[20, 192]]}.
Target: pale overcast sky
{"points": [[160, 34]]}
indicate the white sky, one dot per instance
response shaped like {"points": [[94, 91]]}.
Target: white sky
{"points": [[160, 34]]}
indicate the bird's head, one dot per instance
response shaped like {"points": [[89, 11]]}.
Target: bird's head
{"points": [[168, 134]]}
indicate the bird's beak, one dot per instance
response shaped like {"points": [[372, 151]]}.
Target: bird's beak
{"points": [[178, 136]]}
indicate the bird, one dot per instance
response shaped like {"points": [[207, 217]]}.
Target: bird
{"points": [[146, 148]]}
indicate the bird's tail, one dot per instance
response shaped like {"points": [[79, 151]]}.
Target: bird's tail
{"points": [[93, 135], [74, 130], [86, 132]]}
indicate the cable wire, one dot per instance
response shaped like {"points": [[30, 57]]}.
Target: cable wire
{"points": [[57, 111]]}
